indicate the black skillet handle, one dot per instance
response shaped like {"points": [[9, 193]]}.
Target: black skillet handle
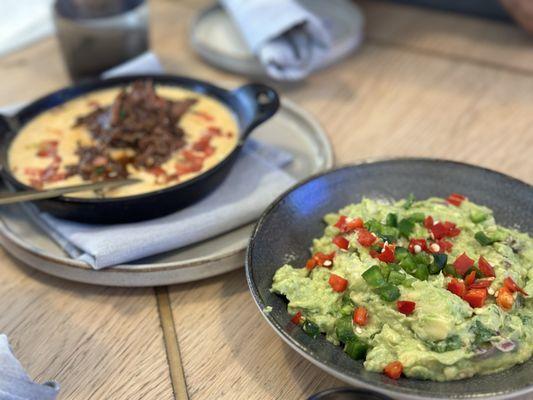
{"points": [[259, 103]]}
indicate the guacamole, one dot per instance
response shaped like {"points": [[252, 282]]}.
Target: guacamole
{"points": [[433, 289]]}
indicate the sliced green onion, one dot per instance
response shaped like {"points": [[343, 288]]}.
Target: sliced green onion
{"points": [[477, 216], [396, 277], [392, 220], [406, 226], [388, 292], [344, 329], [356, 349], [373, 277], [483, 239], [311, 329]]}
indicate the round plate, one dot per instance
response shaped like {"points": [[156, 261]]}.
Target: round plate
{"points": [[216, 39], [291, 129], [287, 227]]}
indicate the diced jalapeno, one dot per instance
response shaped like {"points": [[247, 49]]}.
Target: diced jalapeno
{"points": [[408, 264], [422, 258], [439, 261], [356, 349], [401, 253], [392, 220], [347, 306], [388, 292], [477, 216], [417, 217], [394, 267], [388, 233], [483, 239], [396, 277], [373, 277], [449, 269], [311, 329], [344, 329], [405, 227], [385, 270], [421, 272], [433, 269]]}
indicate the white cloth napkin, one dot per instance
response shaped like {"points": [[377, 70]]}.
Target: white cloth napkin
{"points": [[254, 181], [287, 38], [15, 384]]}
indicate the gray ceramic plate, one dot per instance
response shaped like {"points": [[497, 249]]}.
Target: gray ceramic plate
{"points": [[288, 226], [291, 129]]}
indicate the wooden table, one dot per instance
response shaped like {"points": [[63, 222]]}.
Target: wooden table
{"points": [[424, 84]]}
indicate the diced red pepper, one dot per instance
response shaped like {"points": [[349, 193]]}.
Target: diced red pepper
{"points": [[341, 242], [445, 246], [428, 221], [320, 258], [470, 278], [453, 232], [338, 283], [360, 316], [393, 370], [456, 199], [510, 284], [310, 264], [481, 283], [420, 242], [438, 230], [475, 297], [485, 267], [406, 307], [341, 223], [457, 287], [387, 254], [505, 298], [365, 238], [297, 318], [47, 148], [462, 264], [345, 225]]}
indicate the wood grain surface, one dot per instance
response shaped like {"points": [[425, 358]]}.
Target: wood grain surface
{"points": [[424, 83]]}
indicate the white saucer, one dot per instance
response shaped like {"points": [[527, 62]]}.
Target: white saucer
{"points": [[291, 129], [215, 38]]}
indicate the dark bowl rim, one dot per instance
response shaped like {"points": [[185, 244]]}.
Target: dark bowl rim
{"points": [[102, 84], [332, 368]]}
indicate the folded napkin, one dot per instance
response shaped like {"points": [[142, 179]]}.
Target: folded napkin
{"points": [[15, 384], [289, 40], [254, 181]]}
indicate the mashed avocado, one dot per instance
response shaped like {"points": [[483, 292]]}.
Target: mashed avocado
{"points": [[435, 288]]}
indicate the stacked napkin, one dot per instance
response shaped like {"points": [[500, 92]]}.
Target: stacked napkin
{"points": [[254, 181]]}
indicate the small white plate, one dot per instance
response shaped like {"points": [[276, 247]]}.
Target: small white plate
{"points": [[215, 38], [291, 128]]}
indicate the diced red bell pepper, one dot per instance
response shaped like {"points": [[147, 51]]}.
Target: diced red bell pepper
{"points": [[341, 242], [310, 264], [505, 298], [453, 232], [393, 370], [456, 199], [510, 284], [485, 267], [387, 254], [297, 318], [445, 246], [428, 221], [420, 242], [345, 225], [462, 264], [320, 258], [360, 316], [406, 307], [341, 223], [457, 287], [475, 297], [338, 283], [438, 230], [365, 238], [470, 278], [481, 283]]}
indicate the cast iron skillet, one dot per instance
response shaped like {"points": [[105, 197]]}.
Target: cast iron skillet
{"points": [[251, 105], [286, 229]]}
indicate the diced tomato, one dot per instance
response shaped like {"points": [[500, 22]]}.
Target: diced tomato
{"points": [[387, 254], [453, 232], [310, 264], [485, 268], [462, 264], [481, 283], [445, 246], [360, 316], [428, 221], [338, 283], [510, 284], [505, 298], [365, 238], [456, 199], [475, 297], [393, 370], [457, 287], [420, 242], [438, 230], [297, 318], [341, 223], [321, 258], [470, 278], [347, 225], [406, 307], [341, 242]]}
